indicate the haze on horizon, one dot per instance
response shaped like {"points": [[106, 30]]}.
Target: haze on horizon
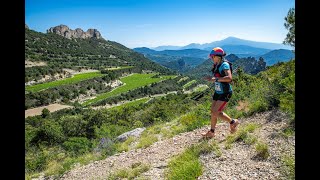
{"points": [[148, 23]]}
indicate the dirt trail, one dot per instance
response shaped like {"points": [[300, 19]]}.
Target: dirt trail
{"points": [[239, 162], [51, 108]]}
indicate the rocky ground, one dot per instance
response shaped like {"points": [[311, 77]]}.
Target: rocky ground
{"points": [[238, 162]]}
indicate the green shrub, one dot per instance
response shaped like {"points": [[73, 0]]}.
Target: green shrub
{"points": [[130, 173], [288, 166], [36, 162], [243, 134], [49, 132], [30, 133], [262, 150], [73, 125], [193, 120], [45, 113], [208, 147], [77, 145], [146, 141], [110, 130], [187, 165], [125, 145], [105, 146]]}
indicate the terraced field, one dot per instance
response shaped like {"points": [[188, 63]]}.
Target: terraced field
{"points": [[131, 82], [76, 78]]}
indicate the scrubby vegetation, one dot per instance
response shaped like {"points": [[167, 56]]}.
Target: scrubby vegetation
{"points": [[80, 135]]}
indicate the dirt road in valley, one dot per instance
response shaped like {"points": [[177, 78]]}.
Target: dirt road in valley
{"points": [[51, 108]]}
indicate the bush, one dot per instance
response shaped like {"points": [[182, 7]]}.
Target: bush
{"points": [[192, 121], [36, 162], [50, 132], [77, 145], [106, 146], [73, 125], [146, 141], [262, 150], [45, 113], [186, 165]]}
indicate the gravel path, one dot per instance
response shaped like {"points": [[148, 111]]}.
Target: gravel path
{"points": [[239, 162]]}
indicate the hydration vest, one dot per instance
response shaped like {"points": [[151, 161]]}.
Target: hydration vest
{"points": [[219, 72]]}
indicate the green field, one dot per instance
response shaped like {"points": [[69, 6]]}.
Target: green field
{"points": [[131, 82], [189, 84], [200, 88], [132, 103], [76, 78]]}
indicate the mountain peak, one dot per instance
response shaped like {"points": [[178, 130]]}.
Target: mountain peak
{"points": [[231, 38], [66, 32]]}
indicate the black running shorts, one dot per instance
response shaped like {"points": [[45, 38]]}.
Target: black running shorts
{"points": [[222, 97]]}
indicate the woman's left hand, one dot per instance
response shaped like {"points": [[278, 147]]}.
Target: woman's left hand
{"points": [[209, 78]]}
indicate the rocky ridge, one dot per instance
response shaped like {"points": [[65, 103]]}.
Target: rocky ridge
{"points": [[66, 32]]}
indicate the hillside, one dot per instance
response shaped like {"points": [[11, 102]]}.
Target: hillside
{"points": [[278, 55], [80, 67], [85, 142], [61, 52], [242, 160]]}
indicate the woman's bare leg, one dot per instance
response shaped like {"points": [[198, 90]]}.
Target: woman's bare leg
{"points": [[225, 117], [216, 110]]}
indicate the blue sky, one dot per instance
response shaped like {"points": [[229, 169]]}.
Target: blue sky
{"points": [[152, 23]]}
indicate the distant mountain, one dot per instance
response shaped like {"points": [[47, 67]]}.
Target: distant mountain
{"points": [[200, 71], [188, 53], [161, 48], [178, 63], [249, 65], [180, 60], [227, 41], [184, 52], [237, 41], [145, 50], [239, 50], [279, 55], [244, 50]]}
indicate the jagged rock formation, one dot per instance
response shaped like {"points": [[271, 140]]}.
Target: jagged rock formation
{"points": [[66, 32], [26, 26]]}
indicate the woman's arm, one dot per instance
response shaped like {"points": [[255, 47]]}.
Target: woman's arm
{"points": [[227, 78]]}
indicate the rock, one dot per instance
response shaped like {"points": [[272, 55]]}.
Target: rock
{"points": [[66, 32], [26, 26], [136, 132]]}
